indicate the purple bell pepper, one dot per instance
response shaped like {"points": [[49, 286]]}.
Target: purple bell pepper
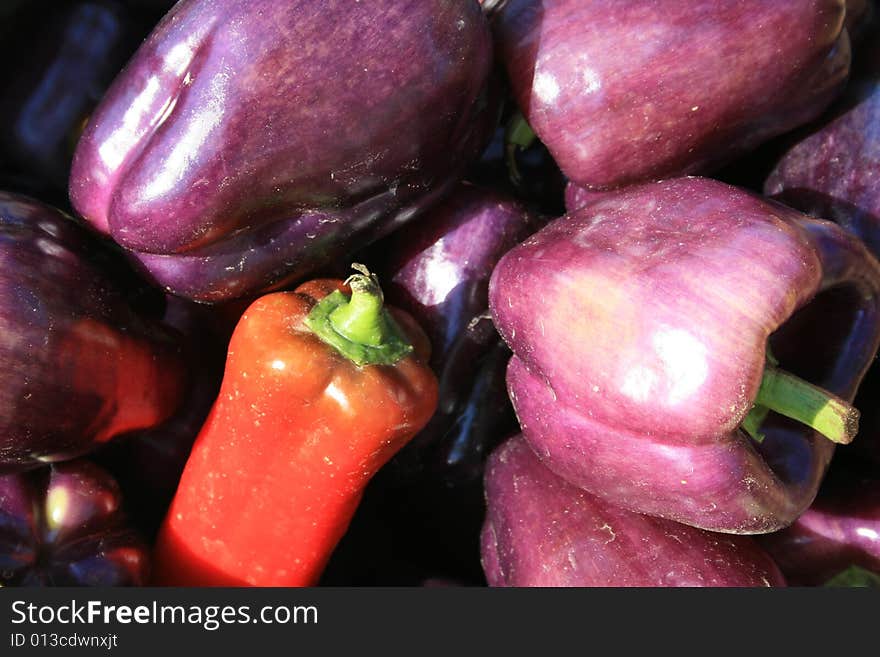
{"points": [[64, 526], [628, 92], [82, 344], [438, 270], [250, 142], [640, 326], [831, 171], [542, 531]]}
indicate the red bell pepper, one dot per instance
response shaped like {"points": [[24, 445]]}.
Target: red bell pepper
{"points": [[321, 388]]}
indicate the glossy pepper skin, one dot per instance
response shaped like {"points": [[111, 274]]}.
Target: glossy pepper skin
{"points": [[542, 531], [296, 433], [65, 526], [249, 142], [840, 529], [627, 92], [84, 353], [69, 53], [831, 170], [639, 326], [438, 271]]}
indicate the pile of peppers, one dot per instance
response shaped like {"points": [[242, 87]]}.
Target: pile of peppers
{"points": [[520, 293]]}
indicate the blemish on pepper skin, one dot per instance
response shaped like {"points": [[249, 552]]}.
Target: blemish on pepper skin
{"points": [[607, 528]]}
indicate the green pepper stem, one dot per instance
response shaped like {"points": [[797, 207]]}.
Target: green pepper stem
{"points": [[361, 320], [786, 394], [752, 422], [359, 326]]}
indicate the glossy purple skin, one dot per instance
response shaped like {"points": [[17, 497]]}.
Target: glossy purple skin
{"points": [[83, 349], [438, 270], [250, 141], [627, 92], [542, 531], [833, 170], [64, 526], [68, 55], [639, 326], [840, 529]]}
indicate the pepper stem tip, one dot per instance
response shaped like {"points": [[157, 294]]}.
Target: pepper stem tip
{"points": [[359, 326], [788, 395]]}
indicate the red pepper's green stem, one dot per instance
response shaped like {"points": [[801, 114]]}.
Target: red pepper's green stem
{"points": [[794, 398], [361, 319], [358, 326]]}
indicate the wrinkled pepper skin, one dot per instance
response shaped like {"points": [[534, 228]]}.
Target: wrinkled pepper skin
{"points": [[628, 92], [280, 465], [542, 531], [69, 54], [840, 529], [64, 526], [438, 270], [79, 332], [249, 142], [639, 326]]}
